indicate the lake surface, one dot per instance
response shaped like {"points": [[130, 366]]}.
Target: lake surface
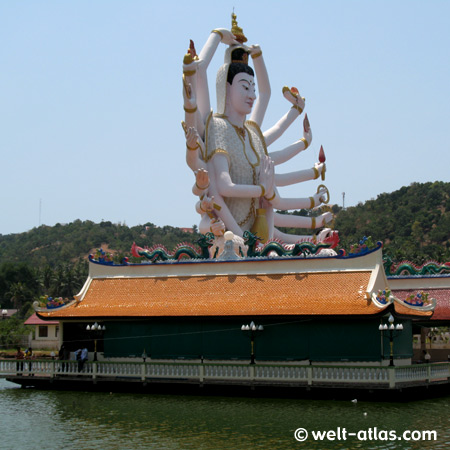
{"points": [[32, 419]]}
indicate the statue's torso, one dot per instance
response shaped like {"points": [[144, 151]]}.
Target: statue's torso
{"points": [[244, 157]]}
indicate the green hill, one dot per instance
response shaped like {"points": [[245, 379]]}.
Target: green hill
{"points": [[413, 222]]}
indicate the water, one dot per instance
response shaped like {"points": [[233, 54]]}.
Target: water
{"points": [[32, 419]]}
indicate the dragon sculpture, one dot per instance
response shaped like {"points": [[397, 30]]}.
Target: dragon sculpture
{"points": [[299, 249], [409, 268], [160, 253]]}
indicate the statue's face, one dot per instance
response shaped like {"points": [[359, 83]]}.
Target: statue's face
{"points": [[241, 93]]}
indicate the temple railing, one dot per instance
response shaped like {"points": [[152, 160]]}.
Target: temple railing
{"points": [[262, 373]]}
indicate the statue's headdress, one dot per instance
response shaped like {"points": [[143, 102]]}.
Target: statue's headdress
{"points": [[234, 53]]}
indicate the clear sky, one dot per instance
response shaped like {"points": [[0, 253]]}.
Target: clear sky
{"points": [[91, 104]]}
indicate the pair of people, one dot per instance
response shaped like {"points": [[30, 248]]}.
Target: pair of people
{"points": [[21, 357]]}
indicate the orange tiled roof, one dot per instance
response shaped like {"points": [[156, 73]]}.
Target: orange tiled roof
{"points": [[405, 310], [330, 293]]}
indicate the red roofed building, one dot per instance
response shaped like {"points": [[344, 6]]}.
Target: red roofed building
{"points": [[46, 333]]}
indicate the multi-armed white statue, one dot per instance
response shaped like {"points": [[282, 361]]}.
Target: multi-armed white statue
{"points": [[235, 176]]}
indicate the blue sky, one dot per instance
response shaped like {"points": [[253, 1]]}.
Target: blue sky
{"points": [[91, 105]]}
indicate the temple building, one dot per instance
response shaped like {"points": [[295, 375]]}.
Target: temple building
{"points": [[311, 310]]}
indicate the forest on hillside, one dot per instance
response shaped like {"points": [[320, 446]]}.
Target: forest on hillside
{"points": [[413, 223]]}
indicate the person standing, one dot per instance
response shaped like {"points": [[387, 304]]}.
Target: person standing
{"points": [[20, 357]]}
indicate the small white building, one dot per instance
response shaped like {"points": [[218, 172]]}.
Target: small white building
{"points": [[46, 333]]}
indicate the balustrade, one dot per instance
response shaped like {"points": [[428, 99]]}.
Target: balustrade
{"points": [[202, 372]]}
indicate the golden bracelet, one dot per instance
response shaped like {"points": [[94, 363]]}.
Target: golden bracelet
{"points": [[316, 173], [271, 198], [313, 202], [263, 190], [201, 209], [313, 223], [190, 110], [201, 188], [189, 73], [257, 55], [300, 110], [218, 32], [193, 148], [305, 142]]}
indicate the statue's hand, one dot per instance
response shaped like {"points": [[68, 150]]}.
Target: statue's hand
{"points": [[292, 95], [191, 137], [321, 196], [190, 66], [323, 219], [253, 49], [320, 167], [202, 179], [267, 176], [217, 227], [307, 133], [207, 203], [227, 36]]}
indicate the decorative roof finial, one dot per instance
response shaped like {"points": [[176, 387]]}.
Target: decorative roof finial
{"points": [[236, 30]]}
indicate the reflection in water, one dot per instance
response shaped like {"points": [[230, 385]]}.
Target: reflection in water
{"points": [[81, 420]]}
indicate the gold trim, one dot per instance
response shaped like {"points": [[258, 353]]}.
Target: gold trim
{"points": [[257, 55], [192, 149], [250, 214], [189, 73], [258, 131], [187, 59], [313, 223], [271, 198], [190, 110], [218, 32], [187, 87], [218, 150], [201, 188], [312, 202], [305, 142], [316, 173], [300, 110], [263, 190]]}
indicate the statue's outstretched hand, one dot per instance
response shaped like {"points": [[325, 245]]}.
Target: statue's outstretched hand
{"points": [[292, 95], [227, 37], [320, 167], [307, 133], [253, 49]]}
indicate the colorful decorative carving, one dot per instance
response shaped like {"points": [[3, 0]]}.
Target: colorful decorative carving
{"points": [[383, 296], [51, 303], [101, 256], [298, 249], [160, 253], [409, 268], [418, 299], [365, 245]]}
